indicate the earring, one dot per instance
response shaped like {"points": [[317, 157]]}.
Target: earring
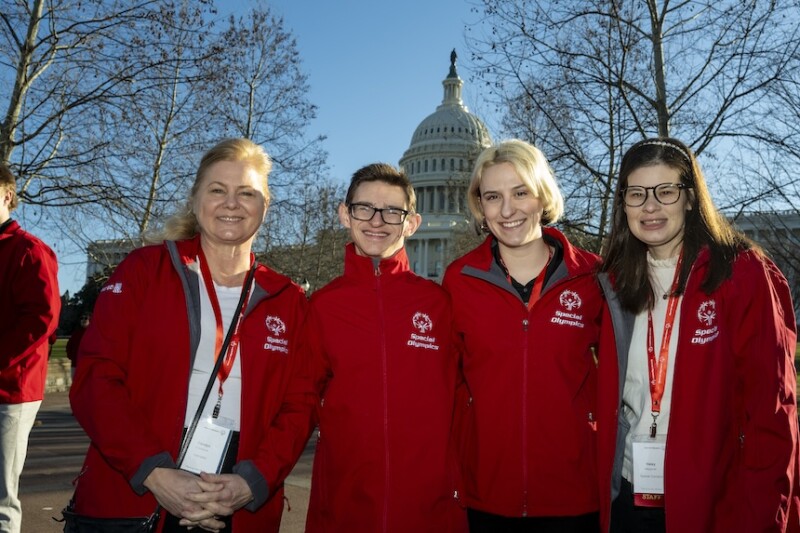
{"points": [[484, 226]]}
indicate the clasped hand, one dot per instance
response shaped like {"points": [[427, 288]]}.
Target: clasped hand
{"points": [[199, 501]]}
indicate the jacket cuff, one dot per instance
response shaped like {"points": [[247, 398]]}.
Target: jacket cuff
{"points": [[162, 460], [257, 483]]}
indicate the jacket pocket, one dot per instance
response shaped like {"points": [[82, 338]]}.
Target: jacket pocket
{"points": [[585, 405]]}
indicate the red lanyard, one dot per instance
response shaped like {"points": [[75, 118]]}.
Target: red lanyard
{"points": [[233, 347], [537, 286], [657, 370]]}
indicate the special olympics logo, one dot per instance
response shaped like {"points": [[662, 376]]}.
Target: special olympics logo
{"points": [[275, 325], [570, 300], [707, 312], [422, 322]]}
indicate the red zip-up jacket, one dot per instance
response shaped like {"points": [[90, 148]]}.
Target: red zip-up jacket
{"points": [[380, 346], [130, 389], [731, 462], [528, 440], [29, 310]]}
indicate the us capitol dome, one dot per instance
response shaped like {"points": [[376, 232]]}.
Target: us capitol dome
{"points": [[438, 162]]}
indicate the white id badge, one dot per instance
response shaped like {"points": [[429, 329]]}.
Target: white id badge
{"points": [[207, 448], [648, 470]]}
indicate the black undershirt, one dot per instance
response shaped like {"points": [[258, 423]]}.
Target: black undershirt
{"points": [[524, 291]]}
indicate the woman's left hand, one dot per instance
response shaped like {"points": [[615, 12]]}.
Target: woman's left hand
{"points": [[222, 493]]}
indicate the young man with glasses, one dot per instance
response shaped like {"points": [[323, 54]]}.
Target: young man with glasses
{"points": [[381, 358]]}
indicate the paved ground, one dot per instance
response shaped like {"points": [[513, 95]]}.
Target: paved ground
{"points": [[55, 455]]}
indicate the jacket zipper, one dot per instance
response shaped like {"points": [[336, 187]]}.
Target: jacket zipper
{"points": [[525, 355], [525, 323], [385, 377]]}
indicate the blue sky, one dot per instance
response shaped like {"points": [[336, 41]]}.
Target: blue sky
{"points": [[375, 69]]}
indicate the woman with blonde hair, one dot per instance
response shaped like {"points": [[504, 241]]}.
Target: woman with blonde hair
{"points": [[527, 311], [185, 368]]}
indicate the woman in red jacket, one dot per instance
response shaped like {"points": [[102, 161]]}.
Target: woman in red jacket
{"points": [[527, 310], [698, 420], [166, 315]]}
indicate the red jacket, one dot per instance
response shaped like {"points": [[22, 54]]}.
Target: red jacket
{"points": [[528, 445], [381, 353], [29, 309], [732, 448], [130, 390]]}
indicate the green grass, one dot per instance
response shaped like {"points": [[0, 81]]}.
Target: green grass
{"points": [[59, 348]]}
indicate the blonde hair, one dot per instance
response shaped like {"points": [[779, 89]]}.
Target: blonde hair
{"points": [[183, 224], [532, 168]]}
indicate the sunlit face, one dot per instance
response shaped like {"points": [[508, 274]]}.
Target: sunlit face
{"points": [[658, 226], [230, 203], [375, 238], [512, 212]]}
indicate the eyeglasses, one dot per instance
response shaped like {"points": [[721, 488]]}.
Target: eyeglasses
{"points": [[664, 193], [389, 215]]}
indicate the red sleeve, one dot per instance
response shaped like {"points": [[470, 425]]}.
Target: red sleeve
{"points": [[764, 342], [100, 396], [34, 291], [289, 432], [318, 365]]}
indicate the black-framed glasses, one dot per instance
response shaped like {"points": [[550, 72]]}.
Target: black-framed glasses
{"points": [[389, 215], [664, 193]]}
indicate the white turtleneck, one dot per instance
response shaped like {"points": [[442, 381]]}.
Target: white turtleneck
{"points": [[636, 395]]}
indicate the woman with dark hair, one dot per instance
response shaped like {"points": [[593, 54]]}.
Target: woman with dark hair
{"points": [[697, 415], [183, 382]]}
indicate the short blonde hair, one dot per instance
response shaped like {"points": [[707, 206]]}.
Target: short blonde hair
{"points": [[532, 168]]}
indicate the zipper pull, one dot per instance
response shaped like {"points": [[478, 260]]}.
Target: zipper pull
{"points": [[524, 324]]}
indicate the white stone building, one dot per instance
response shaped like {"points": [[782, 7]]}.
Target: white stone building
{"points": [[438, 162], [104, 255]]}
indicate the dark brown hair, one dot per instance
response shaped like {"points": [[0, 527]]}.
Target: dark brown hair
{"points": [[385, 173], [625, 256]]}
